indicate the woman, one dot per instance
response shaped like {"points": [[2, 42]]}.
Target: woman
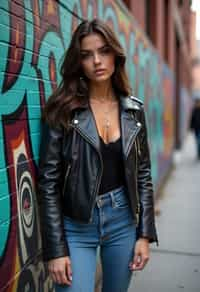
{"points": [[94, 173], [195, 125]]}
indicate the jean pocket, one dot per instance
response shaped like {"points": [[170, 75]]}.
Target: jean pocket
{"points": [[120, 201]]}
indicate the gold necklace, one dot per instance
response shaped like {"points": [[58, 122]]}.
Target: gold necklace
{"points": [[106, 112]]}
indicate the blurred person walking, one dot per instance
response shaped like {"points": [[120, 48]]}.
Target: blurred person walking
{"points": [[195, 125]]}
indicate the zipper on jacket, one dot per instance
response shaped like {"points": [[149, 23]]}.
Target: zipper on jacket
{"points": [[96, 189], [98, 180], [137, 195], [138, 152], [66, 176], [133, 140]]}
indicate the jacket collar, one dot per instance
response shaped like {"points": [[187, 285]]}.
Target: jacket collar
{"points": [[85, 124]]}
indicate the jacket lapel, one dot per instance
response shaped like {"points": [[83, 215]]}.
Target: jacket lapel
{"points": [[129, 125], [85, 124], [129, 130]]}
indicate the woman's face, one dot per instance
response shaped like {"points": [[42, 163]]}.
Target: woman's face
{"points": [[97, 58]]}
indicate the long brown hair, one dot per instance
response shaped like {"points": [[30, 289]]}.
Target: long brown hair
{"points": [[73, 90]]}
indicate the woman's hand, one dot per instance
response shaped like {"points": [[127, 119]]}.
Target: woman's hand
{"points": [[60, 270], [141, 255]]}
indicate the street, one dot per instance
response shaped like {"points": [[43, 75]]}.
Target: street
{"points": [[175, 264]]}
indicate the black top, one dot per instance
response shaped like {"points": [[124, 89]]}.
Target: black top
{"points": [[113, 170]]}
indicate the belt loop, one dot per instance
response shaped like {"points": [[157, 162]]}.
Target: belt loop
{"points": [[112, 199]]}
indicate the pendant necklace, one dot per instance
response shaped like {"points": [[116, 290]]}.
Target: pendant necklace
{"points": [[106, 119], [106, 112]]}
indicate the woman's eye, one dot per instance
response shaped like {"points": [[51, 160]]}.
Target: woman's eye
{"points": [[84, 56], [105, 50]]}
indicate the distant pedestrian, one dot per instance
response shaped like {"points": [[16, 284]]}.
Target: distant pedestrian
{"points": [[94, 180], [195, 124]]}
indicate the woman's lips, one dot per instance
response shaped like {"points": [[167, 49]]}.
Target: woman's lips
{"points": [[99, 71]]}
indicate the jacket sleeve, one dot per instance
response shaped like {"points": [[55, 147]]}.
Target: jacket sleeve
{"points": [[146, 227], [49, 185]]}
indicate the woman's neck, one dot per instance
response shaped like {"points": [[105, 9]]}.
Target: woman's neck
{"points": [[102, 91]]}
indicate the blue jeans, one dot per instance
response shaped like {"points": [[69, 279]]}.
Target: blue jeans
{"points": [[114, 231]]}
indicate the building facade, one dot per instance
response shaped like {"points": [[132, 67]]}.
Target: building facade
{"points": [[167, 24]]}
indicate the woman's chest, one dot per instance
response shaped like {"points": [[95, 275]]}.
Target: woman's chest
{"points": [[107, 122]]}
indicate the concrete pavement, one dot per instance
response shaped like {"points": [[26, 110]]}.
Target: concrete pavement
{"points": [[175, 264]]}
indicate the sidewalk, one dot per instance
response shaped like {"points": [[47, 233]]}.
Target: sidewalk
{"points": [[175, 264]]}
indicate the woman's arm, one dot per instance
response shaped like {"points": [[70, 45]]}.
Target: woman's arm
{"points": [[146, 228], [146, 231], [49, 188]]}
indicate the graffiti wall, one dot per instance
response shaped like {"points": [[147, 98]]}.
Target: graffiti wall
{"points": [[34, 35]]}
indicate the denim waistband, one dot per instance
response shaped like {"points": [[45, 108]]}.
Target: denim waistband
{"points": [[109, 195], [114, 191]]}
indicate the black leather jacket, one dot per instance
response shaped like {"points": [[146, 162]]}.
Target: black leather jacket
{"points": [[70, 169]]}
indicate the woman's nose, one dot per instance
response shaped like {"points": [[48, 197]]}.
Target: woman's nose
{"points": [[96, 59]]}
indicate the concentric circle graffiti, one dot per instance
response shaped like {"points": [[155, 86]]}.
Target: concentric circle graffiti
{"points": [[26, 202]]}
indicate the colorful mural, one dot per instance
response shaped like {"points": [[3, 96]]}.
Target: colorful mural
{"points": [[34, 36]]}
